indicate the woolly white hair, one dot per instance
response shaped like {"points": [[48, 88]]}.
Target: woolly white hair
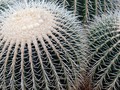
{"points": [[39, 46]]}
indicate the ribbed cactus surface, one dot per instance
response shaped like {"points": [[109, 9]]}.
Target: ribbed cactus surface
{"points": [[104, 57], [40, 47], [86, 9]]}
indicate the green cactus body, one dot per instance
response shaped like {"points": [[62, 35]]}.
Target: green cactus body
{"points": [[104, 57], [86, 9], [40, 47]]}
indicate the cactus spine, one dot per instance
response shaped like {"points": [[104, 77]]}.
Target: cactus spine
{"points": [[104, 61], [86, 9], [40, 47]]}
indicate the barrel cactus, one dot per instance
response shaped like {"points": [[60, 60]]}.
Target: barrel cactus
{"points": [[40, 47], [104, 59], [86, 9]]}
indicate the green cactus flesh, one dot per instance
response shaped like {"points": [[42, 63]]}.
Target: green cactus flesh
{"points": [[87, 9], [104, 61], [40, 47]]}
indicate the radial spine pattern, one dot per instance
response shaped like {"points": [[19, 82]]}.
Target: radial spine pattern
{"points": [[105, 52], [39, 47]]}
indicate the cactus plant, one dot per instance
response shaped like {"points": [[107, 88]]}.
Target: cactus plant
{"points": [[86, 9], [104, 59], [40, 47]]}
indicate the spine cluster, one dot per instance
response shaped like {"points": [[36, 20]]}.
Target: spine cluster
{"points": [[40, 47], [43, 46], [104, 60]]}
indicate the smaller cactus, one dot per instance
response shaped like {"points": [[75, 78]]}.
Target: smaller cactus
{"points": [[104, 59], [40, 47]]}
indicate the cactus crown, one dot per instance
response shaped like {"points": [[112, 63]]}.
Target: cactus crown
{"points": [[26, 23], [39, 46]]}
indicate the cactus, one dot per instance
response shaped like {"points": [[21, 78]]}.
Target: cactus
{"points": [[40, 47], [104, 59], [86, 9]]}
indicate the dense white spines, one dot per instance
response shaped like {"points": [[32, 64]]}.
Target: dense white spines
{"points": [[40, 47], [105, 52]]}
